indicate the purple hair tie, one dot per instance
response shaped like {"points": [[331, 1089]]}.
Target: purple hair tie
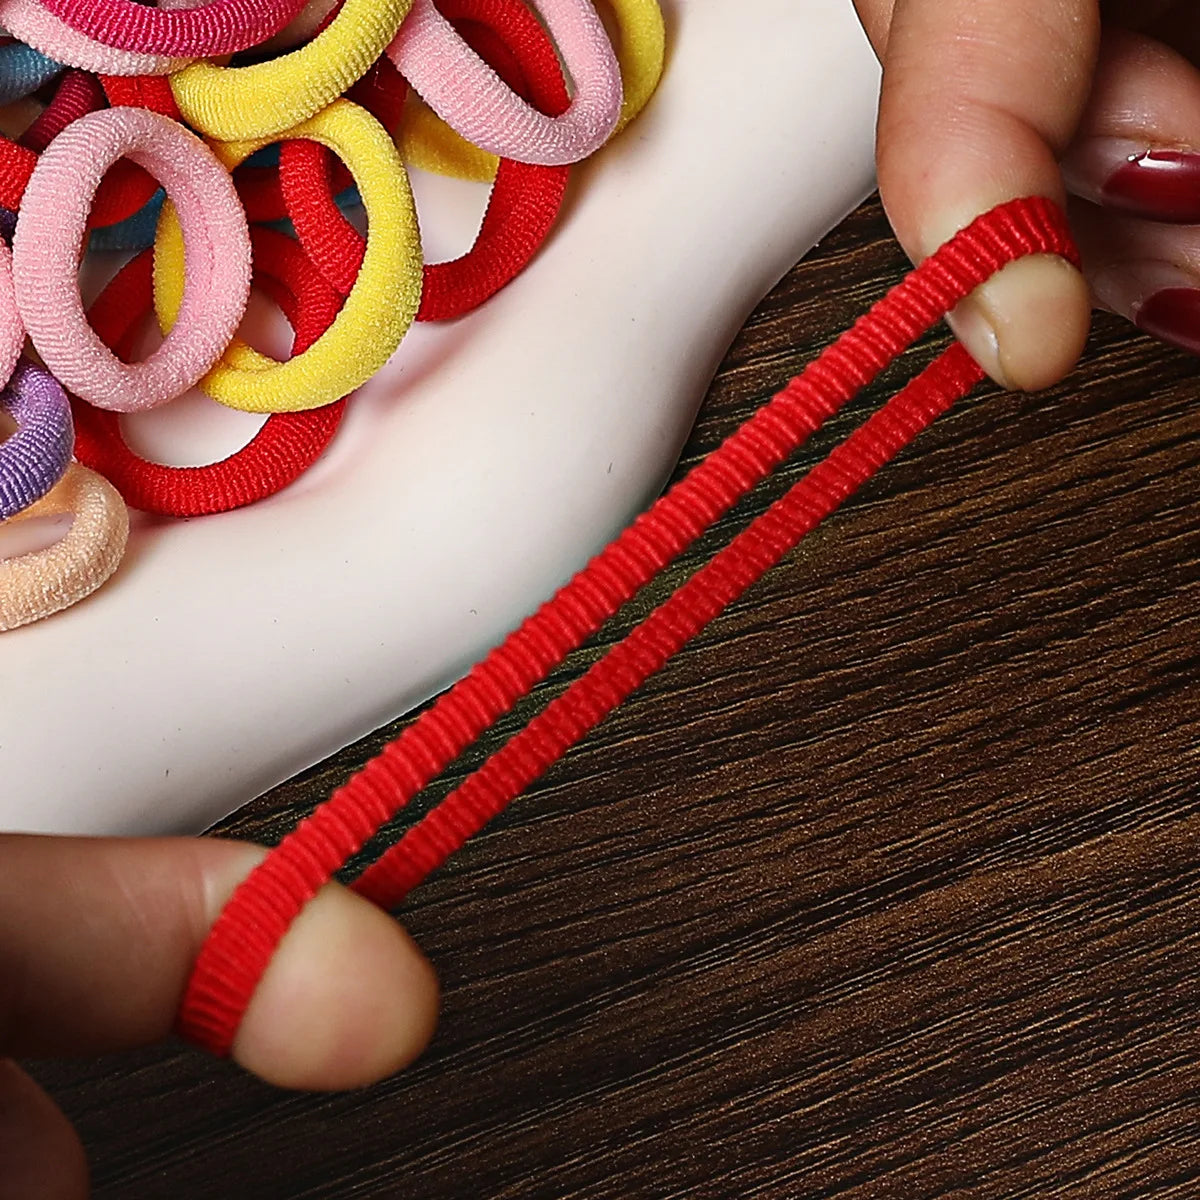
{"points": [[33, 460]]}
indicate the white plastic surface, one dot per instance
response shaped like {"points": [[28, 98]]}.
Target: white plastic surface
{"points": [[483, 466]]}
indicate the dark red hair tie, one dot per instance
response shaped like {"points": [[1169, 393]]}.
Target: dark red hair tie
{"points": [[282, 450], [77, 94], [525, 199]]}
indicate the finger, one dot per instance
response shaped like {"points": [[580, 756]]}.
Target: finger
{"points": [[97, 939], [979, 99], [1144, 271], [1138, 147], [1135, 160], [876, 18], [40, 1155]]}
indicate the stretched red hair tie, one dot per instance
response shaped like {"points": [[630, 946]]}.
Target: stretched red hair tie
{"points": [[288, 443], [245, 936], [525, 199]]}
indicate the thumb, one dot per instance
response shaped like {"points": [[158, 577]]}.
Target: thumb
{"points": [[98, 937], [979, 98]]}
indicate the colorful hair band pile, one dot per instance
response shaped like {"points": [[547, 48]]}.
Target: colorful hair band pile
{"points": [[219, 145]]}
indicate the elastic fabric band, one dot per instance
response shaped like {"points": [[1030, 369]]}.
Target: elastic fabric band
{"points": [[288, 443], [381, 91], [525, 199], [245, 936], [152, 92], [35, 25], [36, 586], [124, 191], [23, 70], [470, 97], [50, 230], [379, 309], [264, 99], [35, 457], [78, 93], [12, 332], [642, 52], [428, 143], [216, 28]]}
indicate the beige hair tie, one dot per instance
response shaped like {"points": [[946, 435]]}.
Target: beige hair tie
{"points": [[33, 586]]}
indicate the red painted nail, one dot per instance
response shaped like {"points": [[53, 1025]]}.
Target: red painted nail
{"points": [[1157, 185], [1173, 316]]}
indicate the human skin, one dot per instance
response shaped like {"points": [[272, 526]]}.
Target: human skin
{"points": [[1094, 104], [97, 938]]}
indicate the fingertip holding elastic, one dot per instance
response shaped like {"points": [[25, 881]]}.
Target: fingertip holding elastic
{"points": [[347, 1000], [1027, 327], [1028, 324]]}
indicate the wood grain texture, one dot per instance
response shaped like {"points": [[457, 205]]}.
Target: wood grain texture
{"points": [[889, 886]]}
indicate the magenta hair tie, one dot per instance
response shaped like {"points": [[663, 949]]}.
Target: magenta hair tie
{"points": [[36, 26], [474, 101], [50, 230], [217, 27], [33, 460]]}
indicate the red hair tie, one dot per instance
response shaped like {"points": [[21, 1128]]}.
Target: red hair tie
{"points": [[283, 449], [525, 199], [142, 91], [241, 943]]}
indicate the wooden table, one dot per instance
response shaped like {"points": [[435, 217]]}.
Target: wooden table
{"points": [[888, 887]]}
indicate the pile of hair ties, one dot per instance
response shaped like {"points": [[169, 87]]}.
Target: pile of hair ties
{"points": [[221, 145]]}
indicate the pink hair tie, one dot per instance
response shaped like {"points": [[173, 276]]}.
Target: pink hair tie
{"points": [[51, 228], [217, 27], [29, 22], [12, 332], [473, 100]]}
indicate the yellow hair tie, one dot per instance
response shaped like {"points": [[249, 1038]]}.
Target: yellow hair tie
{"points": [[641, 51], [429, 144], [264, 99], [377, 313]]}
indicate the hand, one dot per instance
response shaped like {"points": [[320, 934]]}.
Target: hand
{"points": [[987, 100], [97, 939]]}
